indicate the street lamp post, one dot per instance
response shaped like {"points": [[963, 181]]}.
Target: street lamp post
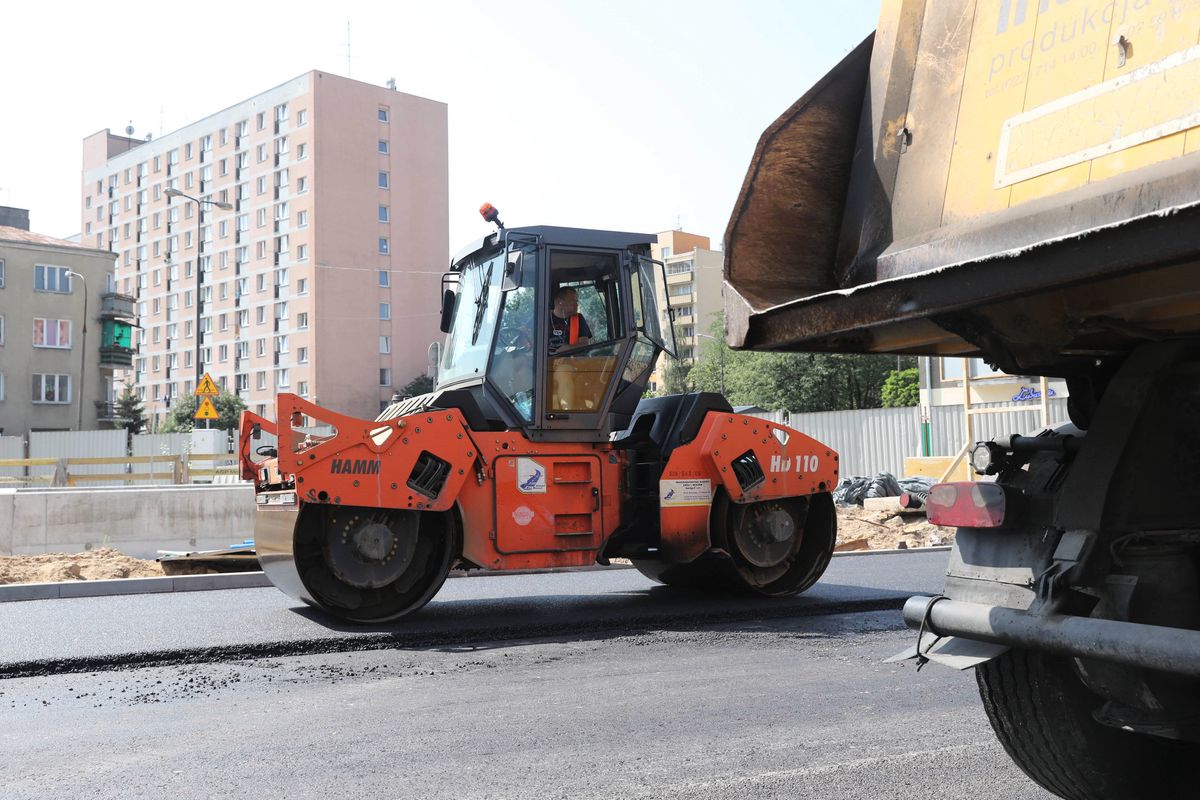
{"points": [[721, 348], [82, 347], [200, 204]]}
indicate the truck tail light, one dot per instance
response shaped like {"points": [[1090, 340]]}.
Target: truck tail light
{"points": [[968, 505]]}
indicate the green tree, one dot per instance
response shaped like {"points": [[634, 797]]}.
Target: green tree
{"points": [[422, 384], [183, 411], [131, 414], [675, 376], [791, 381], [901, 389]]}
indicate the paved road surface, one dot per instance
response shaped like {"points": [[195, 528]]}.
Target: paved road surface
{"points": [[593, 685], [95, 632]]}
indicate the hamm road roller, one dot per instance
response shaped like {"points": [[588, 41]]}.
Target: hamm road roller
{"points": [[537, 449]]}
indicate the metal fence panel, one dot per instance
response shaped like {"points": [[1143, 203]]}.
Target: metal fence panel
{"points": [[12, 447], [868, 441], [166, 445], [78, 444]]}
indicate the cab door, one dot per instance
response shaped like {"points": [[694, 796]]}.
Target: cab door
{"points": [[548, 503]]}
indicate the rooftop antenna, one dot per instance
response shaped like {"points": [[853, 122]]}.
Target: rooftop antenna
{"points": [[391, 84], [678, 222], [348, 69]]}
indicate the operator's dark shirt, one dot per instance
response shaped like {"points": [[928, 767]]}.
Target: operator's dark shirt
{"points": [[560, 331]]}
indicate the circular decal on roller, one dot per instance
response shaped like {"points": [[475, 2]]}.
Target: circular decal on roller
{"points": [[523, 515]]}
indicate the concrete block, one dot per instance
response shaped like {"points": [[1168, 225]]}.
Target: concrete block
{"points": [[7, 502], [232, 580], [881, 503], [28, 591], [136, 520], [29, 522], [115, 587]]}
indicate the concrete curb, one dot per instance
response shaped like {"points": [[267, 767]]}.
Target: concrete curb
{"points": [[256, 580]]}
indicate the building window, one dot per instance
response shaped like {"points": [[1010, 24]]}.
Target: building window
{"points": [[385, 310], [385, 345], [301, 355], [301, 219], [384, 216], [52, 279], [1, 273], [302, 150], [302, 286], [384, 246], [260, 380], [383, 115], [302, 117], [1, 330], [383, 179], [1, 387], [301, 184], [301, 252], [383, 146], [385, 278], [51, 388], [283, 378], [261, 119], [55, 333], [301, 387], [302, 319], [385, 377]]}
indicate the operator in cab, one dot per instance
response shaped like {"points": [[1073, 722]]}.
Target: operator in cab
{"points": [[568, 328]]}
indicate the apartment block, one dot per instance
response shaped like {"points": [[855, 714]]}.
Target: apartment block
{"points": [[64, 331], [693, 289], [291, 242]]}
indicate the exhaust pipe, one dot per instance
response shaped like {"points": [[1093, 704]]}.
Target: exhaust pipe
{"points": [[1174, 650]]}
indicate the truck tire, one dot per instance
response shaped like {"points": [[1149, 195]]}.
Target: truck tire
{"points": [[1042, 714]]}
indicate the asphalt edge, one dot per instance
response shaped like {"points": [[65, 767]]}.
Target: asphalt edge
{"points": [[63, 590]]}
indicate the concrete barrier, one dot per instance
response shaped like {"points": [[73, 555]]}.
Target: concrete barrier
{"points": [[138, 521]]}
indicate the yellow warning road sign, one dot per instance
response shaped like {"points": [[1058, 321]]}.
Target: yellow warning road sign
{"points": [[206, 410], [207, 387]]}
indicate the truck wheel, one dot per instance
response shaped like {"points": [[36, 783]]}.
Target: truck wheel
{"points": [[1042, 714]]}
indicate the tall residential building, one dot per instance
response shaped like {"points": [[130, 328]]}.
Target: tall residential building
{"points": [[317, 212], [693, 288], [63, 331]]}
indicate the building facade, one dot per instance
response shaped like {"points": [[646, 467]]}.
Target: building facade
{"points": [[693, 289], [293, 242], [63, 333]]}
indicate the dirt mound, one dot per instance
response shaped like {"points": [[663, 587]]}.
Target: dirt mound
{"points": [[93, 565], [859, 529]]}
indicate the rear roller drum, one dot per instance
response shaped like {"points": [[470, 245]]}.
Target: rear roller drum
{"points": [[373, 564], [774, 548]]}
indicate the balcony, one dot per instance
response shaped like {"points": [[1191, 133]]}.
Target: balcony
{"points": [[107, 412], [116, 357]]}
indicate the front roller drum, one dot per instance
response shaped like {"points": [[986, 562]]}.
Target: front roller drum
{"points": [[362, 564], [774, 548]]}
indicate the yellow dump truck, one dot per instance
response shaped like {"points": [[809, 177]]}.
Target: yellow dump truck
{"points": [[1019, 180]]}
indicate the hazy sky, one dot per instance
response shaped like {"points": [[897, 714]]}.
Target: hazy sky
{"points": [[611, 114]]}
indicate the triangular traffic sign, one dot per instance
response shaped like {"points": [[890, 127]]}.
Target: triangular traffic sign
{"points": [[207, 410], [207, 387]]}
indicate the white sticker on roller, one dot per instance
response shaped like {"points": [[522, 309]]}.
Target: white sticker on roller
{"points": [[689, 492], [531, 476], [522, 515]]}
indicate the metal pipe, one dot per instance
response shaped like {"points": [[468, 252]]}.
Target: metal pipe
{"points": [[1175, 650], [82, 348]]}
